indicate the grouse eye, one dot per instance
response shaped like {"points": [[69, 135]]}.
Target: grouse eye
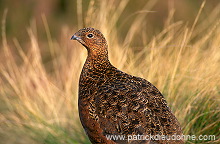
{"points": [[90, 35]]}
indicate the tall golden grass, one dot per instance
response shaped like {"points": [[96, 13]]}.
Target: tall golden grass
{"points": [[38, 87]]}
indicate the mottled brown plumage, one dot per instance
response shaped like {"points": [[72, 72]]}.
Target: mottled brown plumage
{"points": [[112, 102]]}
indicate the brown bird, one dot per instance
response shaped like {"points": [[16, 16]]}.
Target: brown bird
{"points": [[115, 107]]}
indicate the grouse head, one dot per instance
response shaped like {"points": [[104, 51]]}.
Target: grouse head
{"points": [[92, 39]]}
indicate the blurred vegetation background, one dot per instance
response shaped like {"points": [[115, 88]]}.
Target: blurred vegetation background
{"points": [[61, 13], [173, 44]]}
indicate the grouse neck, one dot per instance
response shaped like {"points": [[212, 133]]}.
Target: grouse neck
{"points": [[98, 54], [98, 60]]}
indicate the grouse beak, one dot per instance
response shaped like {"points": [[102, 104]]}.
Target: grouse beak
{"points": [[74, 38], [78, 38]]}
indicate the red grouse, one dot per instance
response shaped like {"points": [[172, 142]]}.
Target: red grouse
{"points": [[113, 103]]}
